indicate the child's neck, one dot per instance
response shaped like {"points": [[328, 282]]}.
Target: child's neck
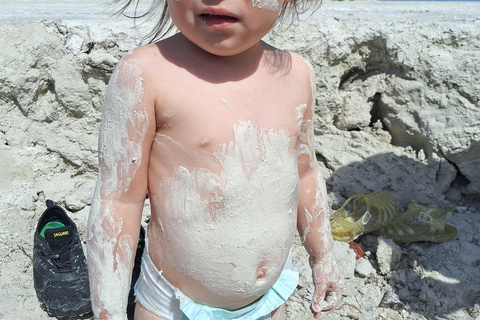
{"points": [[239, 65]]}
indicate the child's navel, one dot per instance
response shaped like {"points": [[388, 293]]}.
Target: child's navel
{"points": [[261, 274]]}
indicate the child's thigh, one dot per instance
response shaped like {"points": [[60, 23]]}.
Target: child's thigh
{"points": [[143, 314], [279, 313]]}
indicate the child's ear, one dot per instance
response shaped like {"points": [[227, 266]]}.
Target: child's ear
{"points": [[287, 1]]}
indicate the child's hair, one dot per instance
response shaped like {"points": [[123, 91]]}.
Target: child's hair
{"points": [[158, 11]]}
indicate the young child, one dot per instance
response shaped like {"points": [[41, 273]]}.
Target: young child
{"points": [[217, 126]]}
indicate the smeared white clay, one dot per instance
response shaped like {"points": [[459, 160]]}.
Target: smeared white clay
{"points": [[305, 127], [232, 230], [225, 102], [271, 5], [318, 241], [123, 128], [318, 221], [107, 255], [315, 218], [322, 217], [306, 230], [162, 138]]}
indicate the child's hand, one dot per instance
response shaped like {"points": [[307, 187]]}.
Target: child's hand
{"points": [[328, 286]]}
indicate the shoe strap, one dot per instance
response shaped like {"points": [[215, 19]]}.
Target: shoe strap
{"points": [[59, 242]]}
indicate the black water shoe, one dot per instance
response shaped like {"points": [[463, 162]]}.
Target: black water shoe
{"points": [[60, 273]]}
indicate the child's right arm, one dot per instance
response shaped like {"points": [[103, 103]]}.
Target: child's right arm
{"points": [[126, 133]]}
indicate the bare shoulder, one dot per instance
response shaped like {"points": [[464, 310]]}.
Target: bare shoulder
{"points": [[302, 67], [143, 68], [302, 75], [294, 68], [145, 58]]}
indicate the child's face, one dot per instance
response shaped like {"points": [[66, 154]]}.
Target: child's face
{"points": [[225, 27]]}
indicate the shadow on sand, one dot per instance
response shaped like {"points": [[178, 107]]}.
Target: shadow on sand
{"points": [[436, 280]]}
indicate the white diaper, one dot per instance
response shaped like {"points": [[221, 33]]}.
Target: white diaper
{"points": [[155, 293], [158, 296]]}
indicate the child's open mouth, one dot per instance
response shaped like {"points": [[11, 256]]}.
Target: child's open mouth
{"points": [[217, 20]]}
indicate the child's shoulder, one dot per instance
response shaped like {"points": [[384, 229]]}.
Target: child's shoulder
{"points": [[298, 68], [142, 62], [143, 55], [301, 64]]}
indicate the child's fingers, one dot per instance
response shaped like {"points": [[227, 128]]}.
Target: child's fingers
{"points": [[325, 302], [317, 300], [328, 304], [332, 300], [328, 289]]}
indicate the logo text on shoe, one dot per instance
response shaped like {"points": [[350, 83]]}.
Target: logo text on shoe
{"points": [[61, 234]]}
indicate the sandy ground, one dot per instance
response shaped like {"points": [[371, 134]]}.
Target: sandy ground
{"points": [[431, 281]]}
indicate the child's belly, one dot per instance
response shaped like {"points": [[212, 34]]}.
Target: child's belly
{"points": [[226, 264], [224, 237]]}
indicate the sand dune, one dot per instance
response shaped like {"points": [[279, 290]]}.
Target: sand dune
{"points": [[397, 110]]}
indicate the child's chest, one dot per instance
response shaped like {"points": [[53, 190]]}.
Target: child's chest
{"points": [[199, 115]]}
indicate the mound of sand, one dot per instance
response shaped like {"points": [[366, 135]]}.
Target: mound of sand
{"points": [[398, 111]]}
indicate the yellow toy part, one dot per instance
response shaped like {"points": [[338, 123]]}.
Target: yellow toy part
{"points": [[369, 212]]}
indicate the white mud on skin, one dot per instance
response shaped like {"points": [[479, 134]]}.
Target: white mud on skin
{"points": [[222, 225], [314, 219], [122, 130], [270, 5]]}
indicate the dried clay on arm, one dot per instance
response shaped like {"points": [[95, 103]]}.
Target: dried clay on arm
{"points": [[123, 129], [314, 217]]}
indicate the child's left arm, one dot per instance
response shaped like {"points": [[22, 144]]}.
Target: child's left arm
{"points": [[313, 223], [313, 220]]}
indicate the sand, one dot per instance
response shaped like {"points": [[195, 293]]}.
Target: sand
{"points": [[48, 139]]}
